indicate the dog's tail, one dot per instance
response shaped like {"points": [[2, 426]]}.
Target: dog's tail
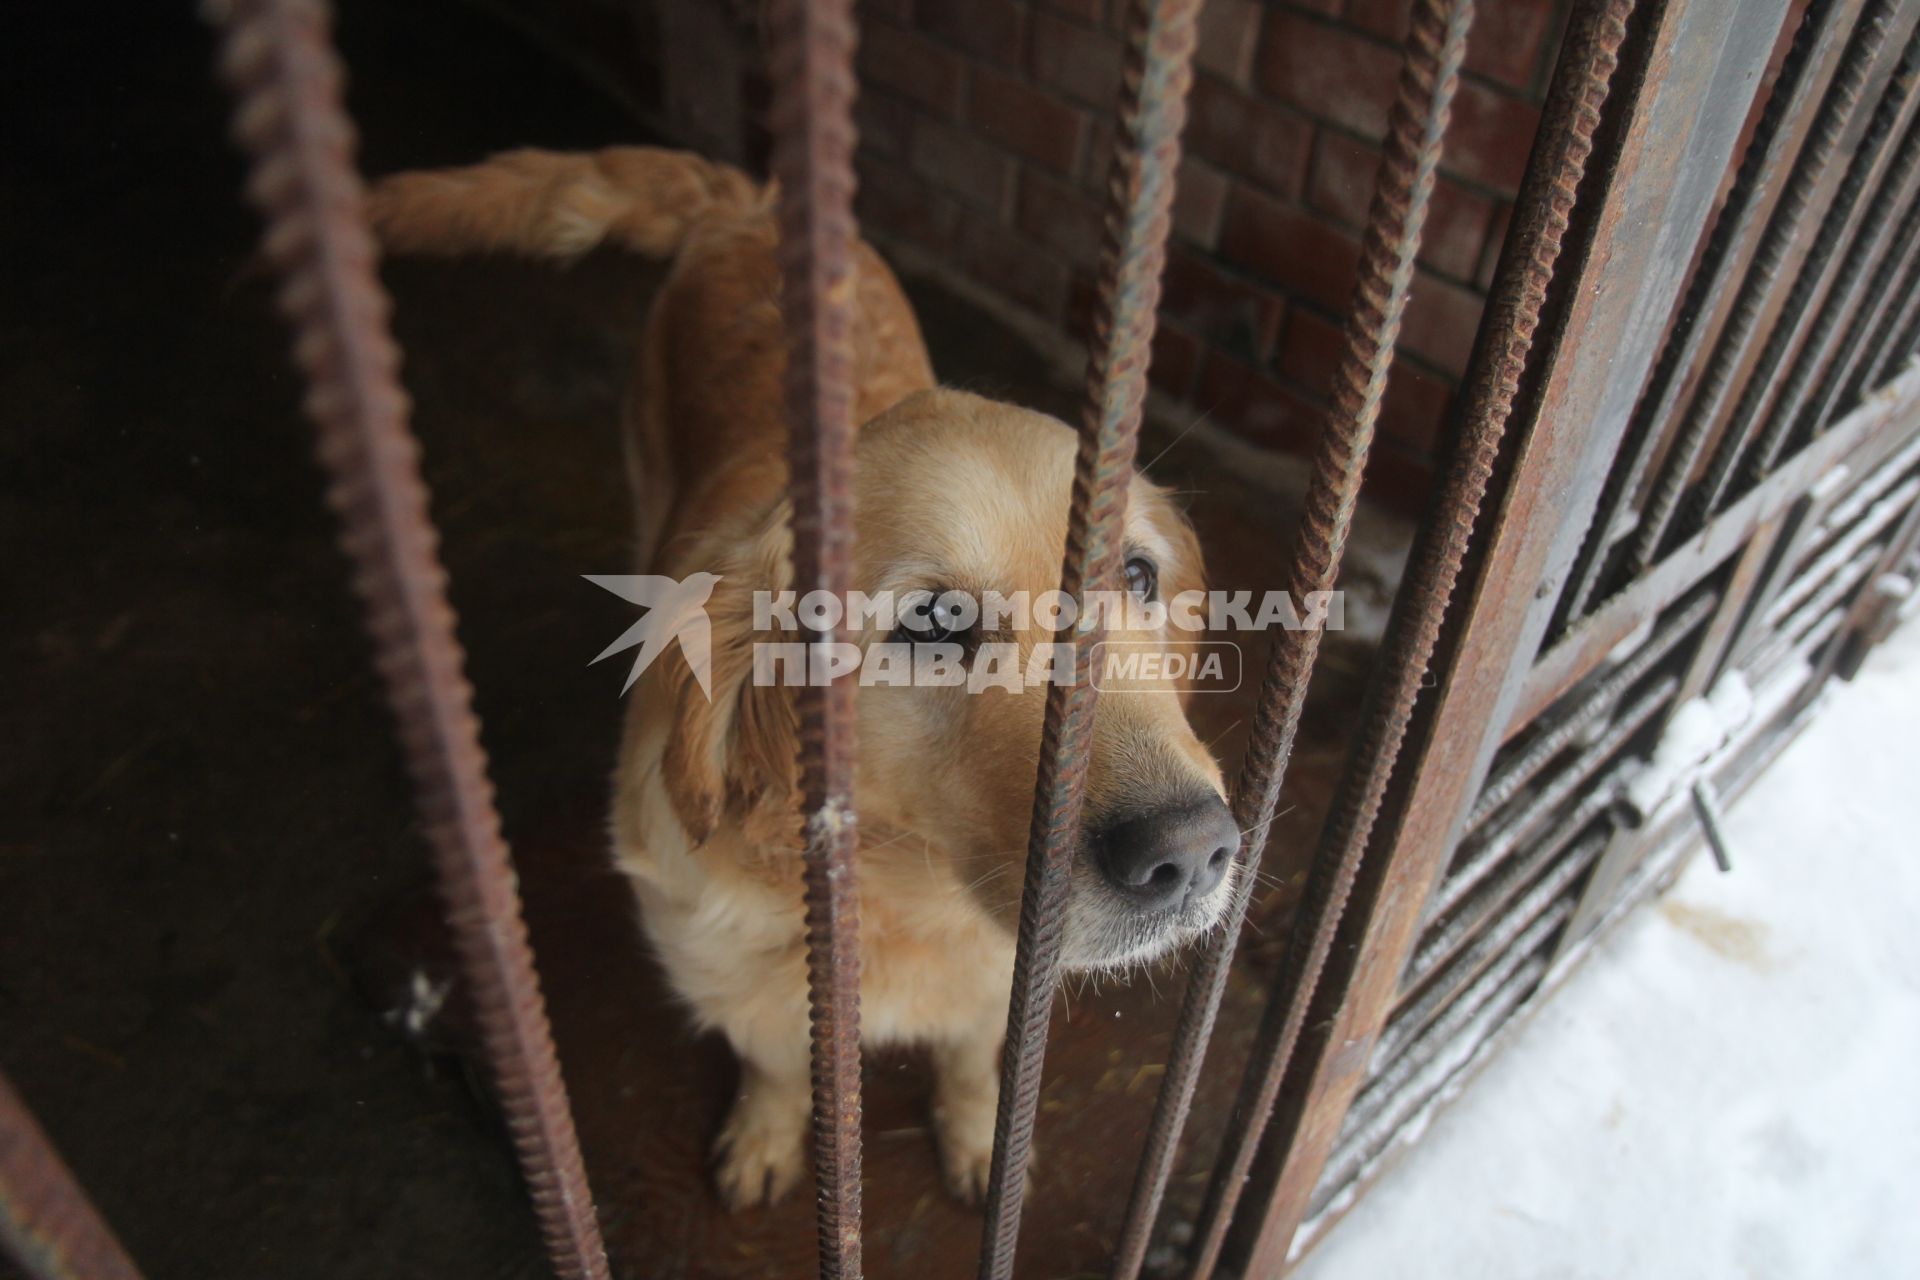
{"points": [[547, 204]]}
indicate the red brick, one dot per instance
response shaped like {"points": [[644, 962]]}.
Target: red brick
{"points": [[909, 63], [1490, 136], [1088, 11], [1328, 72], [1101, 139], [1414, 407], [1006, 262], [1082, 295], [1508, 37], [1311, 350], [1081, 63], [1440, 322], [1229, 33], [1457, 219], [962, 163], [1265, 144], [1199, 201], [892, 200], [1036, 125], [1389, 19], [1255, 406], [1397, 480], [1176, 358], [885, 122], [1291, 247], [1060, 218], [1228, 312], [991, 28], [1496, 241]]}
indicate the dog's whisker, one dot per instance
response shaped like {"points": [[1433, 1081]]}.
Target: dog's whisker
{"points": [[1185, 431]]}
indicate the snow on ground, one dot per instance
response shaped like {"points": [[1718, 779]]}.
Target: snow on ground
{"points": [[1730, 1084]]}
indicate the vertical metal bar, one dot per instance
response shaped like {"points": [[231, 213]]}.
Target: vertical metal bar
{"points": [[813, 89], [1402, 192], [1896, 347], [47, 1224], [1820, 29], [1839, 105], [1675, 114], [1435, 45], [1901, 296], [1899, 261], [277, 56], [1816, 338], [1161, 35], [1906, 344]]}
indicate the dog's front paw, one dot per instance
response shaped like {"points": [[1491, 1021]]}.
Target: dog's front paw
{"points": [[759, 1156], [964, 1135]]}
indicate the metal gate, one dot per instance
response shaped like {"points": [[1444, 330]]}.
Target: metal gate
{"points": [[1683, 492]]}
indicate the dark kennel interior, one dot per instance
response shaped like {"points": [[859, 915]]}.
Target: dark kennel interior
{"points": [[224, 986], [212, 900]]}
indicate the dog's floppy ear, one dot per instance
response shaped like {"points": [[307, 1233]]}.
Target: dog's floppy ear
{"points": [[735, 752]]}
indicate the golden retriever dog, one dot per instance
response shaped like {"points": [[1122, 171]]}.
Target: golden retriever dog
{"points": [[952, 492]]}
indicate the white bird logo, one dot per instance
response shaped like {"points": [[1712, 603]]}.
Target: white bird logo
{"points": [[676, 609]]}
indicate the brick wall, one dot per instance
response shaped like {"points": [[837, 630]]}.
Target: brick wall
{"points": [[987, 127]]}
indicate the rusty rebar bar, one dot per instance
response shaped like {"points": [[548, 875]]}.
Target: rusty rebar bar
{"points": [[1745, 461], [1161, 35], [1692, 324], [47, 1223], [1716, 383], [1903, 345], [1895, 346], [278, 57], [1559, 162], [1895, 263], [813, 87], [1866, 357], [1435, 45], [1555, 736]]}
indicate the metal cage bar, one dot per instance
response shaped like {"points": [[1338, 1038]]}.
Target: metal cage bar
{"points": [[47, 1223], [1517, 772], [1826, 140], [1821, 30], [1161, 36], [1755, 420], [813, 88], [1895, 345], [279, 59], [1871, 344], [1750, 446], [1642, 217], [1587, 646], [1844, 380], [1434, 48]]}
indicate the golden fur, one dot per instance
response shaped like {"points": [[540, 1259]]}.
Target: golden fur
{"points": [[952, 491]]}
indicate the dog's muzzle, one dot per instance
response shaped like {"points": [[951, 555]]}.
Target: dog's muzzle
{"points": [[1150, 881]]}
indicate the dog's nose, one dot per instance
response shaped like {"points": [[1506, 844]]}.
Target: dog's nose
{"points": [[1169, 856]]}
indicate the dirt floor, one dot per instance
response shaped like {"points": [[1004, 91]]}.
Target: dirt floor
{"points": [[210, 881]]}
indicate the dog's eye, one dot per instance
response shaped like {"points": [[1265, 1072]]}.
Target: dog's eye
{"points": [[1142, 578], [935, 619]]}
